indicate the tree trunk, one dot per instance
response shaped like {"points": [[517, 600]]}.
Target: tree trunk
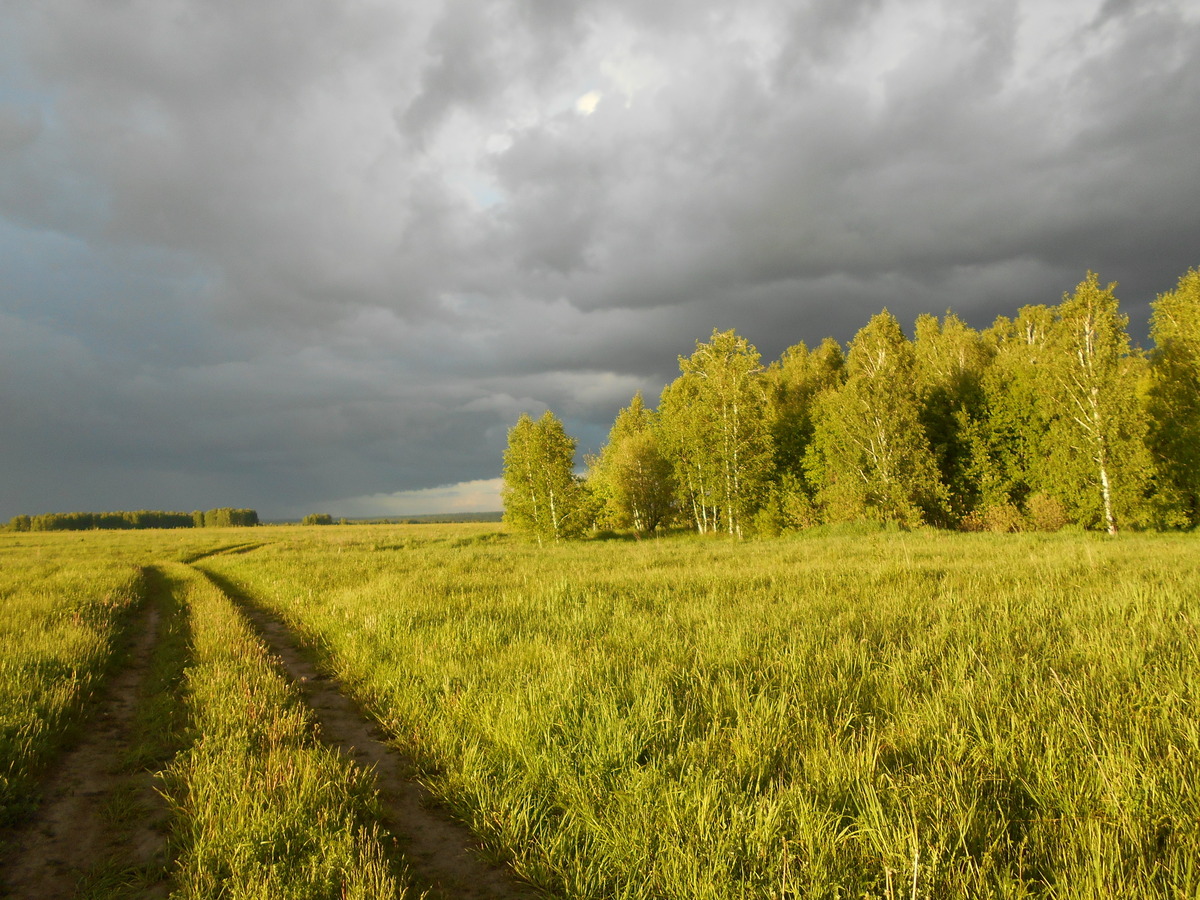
{"points": [[1107, 492]]}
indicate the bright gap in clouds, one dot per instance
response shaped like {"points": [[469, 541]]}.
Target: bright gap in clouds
{"points": [[481, 495], [586, 105]]}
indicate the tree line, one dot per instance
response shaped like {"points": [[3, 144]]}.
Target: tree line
{"points": [[1048, 419], [143, 518]]}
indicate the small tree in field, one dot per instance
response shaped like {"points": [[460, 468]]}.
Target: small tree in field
{"points": [[541, 495]]}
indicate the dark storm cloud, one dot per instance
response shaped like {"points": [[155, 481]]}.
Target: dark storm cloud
{"points": [[325, 253]]}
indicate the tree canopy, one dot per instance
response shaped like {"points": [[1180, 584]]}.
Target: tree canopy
{"points": [[870, 457], [632, 477], [1043, 420], [1174, 405], [541, 495], [716, 422]]}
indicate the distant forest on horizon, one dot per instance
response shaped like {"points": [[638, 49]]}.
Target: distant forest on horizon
{"points": [[222, 517]]}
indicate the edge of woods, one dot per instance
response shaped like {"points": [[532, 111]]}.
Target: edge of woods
{"points": [[256, 805]]}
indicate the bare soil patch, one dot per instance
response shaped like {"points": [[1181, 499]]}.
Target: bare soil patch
{"points": [[441, 853], [100, 831]]}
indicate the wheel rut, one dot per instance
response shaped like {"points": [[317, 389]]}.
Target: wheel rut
{"points": [[442, 854], [100, 829]]}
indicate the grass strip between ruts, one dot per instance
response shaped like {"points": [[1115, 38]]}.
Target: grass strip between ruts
{"points": [[261, 808]]}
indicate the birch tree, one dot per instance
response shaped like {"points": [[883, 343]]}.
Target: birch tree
{"points": [[1008, 442], [632, 474], [796, 380], [541, 495], [951, 359], [716, 429], [1100, 465], [870, 457], [1175, 394]]}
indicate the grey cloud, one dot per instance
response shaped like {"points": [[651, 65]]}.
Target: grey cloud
{"points": [[266, 253], [463, 67], [936, 178], [20, 126], [186, 56]]}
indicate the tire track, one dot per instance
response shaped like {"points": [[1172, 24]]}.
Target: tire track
{"points": [[441, 853], [100, 829], [226, 549]]}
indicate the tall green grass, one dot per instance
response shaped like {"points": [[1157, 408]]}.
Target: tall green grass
{"points": [[887, 715], [61, 613], [65, 599], [262, 809]]}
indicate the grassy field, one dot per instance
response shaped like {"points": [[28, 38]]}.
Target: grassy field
{"points": [[262, 810], [884, 715], [62, 606], [64, 601], [836, 715]]}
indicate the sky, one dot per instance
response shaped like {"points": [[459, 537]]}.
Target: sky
{"points": [[319, 255]]}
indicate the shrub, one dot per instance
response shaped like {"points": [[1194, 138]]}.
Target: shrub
{"points": [[1045, 513], [1000, 518]]}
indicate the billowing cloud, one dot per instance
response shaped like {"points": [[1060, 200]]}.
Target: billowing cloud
{"points": [[277, 255]]}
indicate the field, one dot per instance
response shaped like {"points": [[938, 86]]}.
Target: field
{"points": [[61, 615], [842, 714]]}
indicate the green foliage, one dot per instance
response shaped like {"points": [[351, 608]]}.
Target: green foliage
{"points": [[318, 519], [1100, 468], [796, 380], [1002, 518], [87, 521], [951, 360], [1007, 446], [870, 457], [224, 517], [632, 477], [542, 496], [956, 429], [1175, 395], [717, 431], [227, 517]]}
